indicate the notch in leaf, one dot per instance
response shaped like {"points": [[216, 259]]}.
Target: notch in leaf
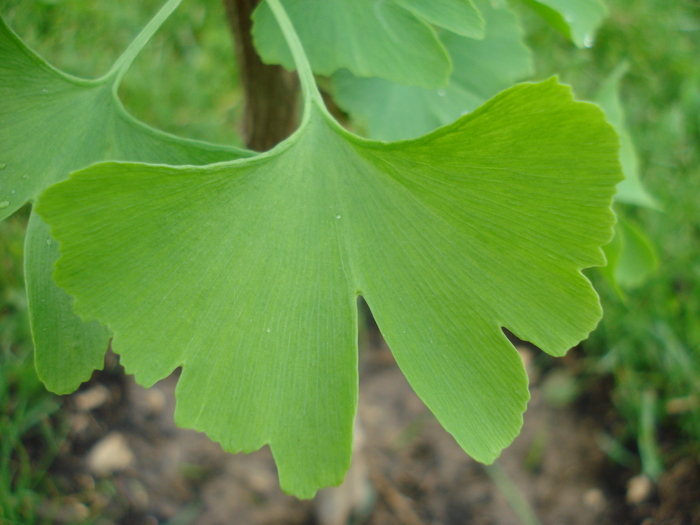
{"points": [[246, 273]]}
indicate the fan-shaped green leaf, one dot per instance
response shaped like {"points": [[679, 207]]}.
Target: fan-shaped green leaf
{"points": [[52, 124], [578, 20], [631, 190], [482, 68], [246, 273], [371, 38], [631, 257], [458, 16]]}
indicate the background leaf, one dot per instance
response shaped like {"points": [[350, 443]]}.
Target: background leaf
{"points": [[578, 20], [458, 16], [636, 259], [482, 68], [631, 190], [52, 124], [371, 38]]}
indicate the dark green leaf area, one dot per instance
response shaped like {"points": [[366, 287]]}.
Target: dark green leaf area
{"points": [[369, 37], [482, 68], [66, 349], [630, 190], [52, 124], [459, 16], [577, 20], [246, 273]]}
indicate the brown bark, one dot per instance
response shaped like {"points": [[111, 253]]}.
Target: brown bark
{"points": [[271, 92]]}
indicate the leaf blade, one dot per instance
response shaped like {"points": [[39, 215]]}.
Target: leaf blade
{"points": [[482, 68], [577, 20], [459, 16], [432, 232], [370, 38]]}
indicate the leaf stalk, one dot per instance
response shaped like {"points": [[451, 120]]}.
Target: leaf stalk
{"points": [[309, 88], [121, 66]]}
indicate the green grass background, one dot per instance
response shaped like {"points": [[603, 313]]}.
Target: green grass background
{"points": [[186, 82]]}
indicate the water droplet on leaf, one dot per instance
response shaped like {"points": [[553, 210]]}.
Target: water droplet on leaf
{"points": [[441, 92], [588, 41], [4, 204], [3, 166], [269, 330], [48, 241], [337, 216]]}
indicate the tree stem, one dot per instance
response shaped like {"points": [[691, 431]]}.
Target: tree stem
{"points": [[271, 93]]}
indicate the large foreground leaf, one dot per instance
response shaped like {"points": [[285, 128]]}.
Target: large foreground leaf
{"points": [[52, 124], [482, 68], [371, 38], [246, 273]]}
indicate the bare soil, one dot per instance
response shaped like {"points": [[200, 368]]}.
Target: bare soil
{"points": [[125, 462]]}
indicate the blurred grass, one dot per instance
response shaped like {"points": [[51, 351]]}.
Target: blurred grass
{"points": [[185, 81], [651, 343]]}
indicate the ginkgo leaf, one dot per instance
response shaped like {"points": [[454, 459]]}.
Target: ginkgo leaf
{"points": [[482, 68], [246, 273], [458, 16], [66, 350], [631, 257], [51, 124], [578, 20], [631, 190], [371, 38]]}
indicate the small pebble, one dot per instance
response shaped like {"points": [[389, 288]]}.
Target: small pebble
{"points": [[79, 423], [110, 454], [91, 398], [594, 498], [639, 488], [71, 512], [155, 399]]}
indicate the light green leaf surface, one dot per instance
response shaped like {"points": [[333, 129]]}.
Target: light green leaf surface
{"points": [[371, 38], [631, 190], [578, 20], [458, 16], [482, 68], [52, 124], [247, 273]]}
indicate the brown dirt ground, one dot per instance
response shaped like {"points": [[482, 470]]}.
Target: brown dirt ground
{"points": [[406, 468]]}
